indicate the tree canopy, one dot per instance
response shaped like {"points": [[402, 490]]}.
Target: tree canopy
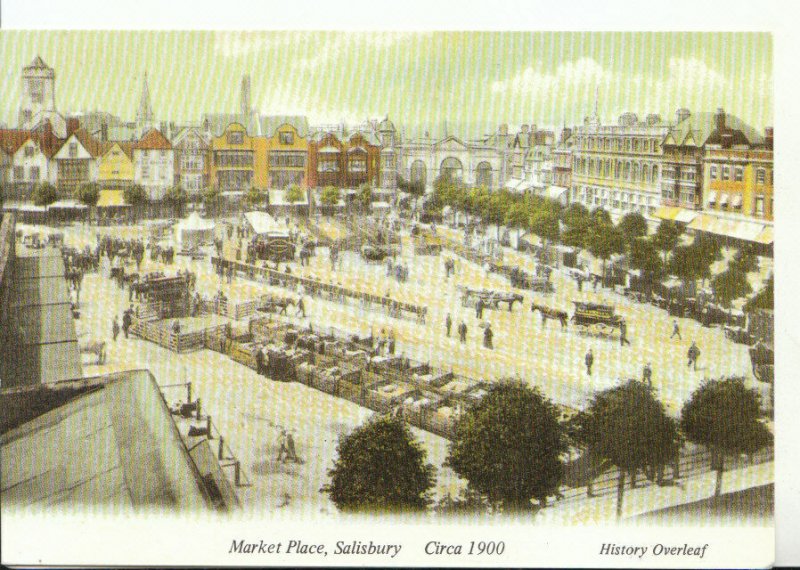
{"points": [[254, 197], [666, 236], [135, 195], [176, 195], [644, 256], [723, 415], [633, 225], [364, 196], [545, 225], [88, 194], [44, 194], [294, 194], [730, 285], [764, 299], [508, 445], [329, 196], [380, 467], [628, 426]]}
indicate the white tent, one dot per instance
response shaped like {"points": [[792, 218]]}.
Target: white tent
{"points": [[265, 225], [194, 231]]}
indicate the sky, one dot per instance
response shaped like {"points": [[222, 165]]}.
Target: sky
{"points": [[473, 81]]}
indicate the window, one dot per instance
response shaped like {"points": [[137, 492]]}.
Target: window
{"points": [[27, 116], [37, 93], [761, 176], [29, 150], [627, 145], [19, 173], [287, 159], [726, 172], [236, 137], [73, 150], [712, 172], [286, 137], [738, 173], [635, 145], [759, 209], [34, 173]]}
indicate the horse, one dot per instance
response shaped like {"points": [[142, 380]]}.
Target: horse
{"points": [[550, 313]]}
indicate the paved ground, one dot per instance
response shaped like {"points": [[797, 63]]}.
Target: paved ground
{"points": [[250, 410]]}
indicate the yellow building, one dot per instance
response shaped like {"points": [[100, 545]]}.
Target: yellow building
{"points": [[739, 181], [115, 169], [287, 150], [238, 161]]}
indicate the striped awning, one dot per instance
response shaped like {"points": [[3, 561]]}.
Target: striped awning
{"points": [[712, 197], [737, 229], [766, 236]]}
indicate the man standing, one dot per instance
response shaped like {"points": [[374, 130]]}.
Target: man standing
{"points": [[623, 334], [487, 337], [127, 320], [693, 354], [301, 307], [115, 328], [282, 447], [676, 331], [479, 309], [589, 360], [647, 374], [462, 332], [448, 324]]}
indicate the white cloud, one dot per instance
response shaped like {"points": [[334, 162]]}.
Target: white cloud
{"points": [[530, 81]]}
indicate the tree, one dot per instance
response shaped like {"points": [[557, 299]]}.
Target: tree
{"points": [[135, 195], [294, 194], [764, 299], [517, 216], [745, 260], [688, 264], [578, 221], [44, 194], [545, 225], [254, 197], [730, 285], [380, 467], [176, 197], [666, 237], [628, 426], [211, 197], [603, 240], [600, 216], [365, 196], [644, 257], [88, 194], [329, 196], [508, 446], [723, 415], [633, 226]]}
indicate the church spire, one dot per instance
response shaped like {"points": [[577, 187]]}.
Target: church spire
{"points": [[144, 116]]}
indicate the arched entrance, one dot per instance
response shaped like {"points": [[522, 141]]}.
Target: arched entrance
{"points": [[451, 170], [483, 175], [419, 173]]}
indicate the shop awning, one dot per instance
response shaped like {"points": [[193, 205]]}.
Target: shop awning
{"points": [[737, 229], [712, 197], [67, 205], [667, 213], [737, 201], [723, 199], [111, 199], [766, 236]]}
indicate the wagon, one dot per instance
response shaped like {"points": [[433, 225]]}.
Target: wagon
{"points": [[491, 299], [596, 318]]}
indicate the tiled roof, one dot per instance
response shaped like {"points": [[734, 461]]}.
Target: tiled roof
{"points": [[153, 140], [12, 139], [37, 63], [91, 144], [703, 127]]}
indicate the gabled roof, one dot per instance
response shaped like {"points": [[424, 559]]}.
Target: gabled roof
{"points": [[125, 147], [91, 144], [703, 129], [270, 123], [219, 122], [12, 139], [184, 132], [153, 140]]}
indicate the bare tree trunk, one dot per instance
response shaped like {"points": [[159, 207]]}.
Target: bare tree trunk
{"points": [[633, 477], [720, 471], [620, 492]]}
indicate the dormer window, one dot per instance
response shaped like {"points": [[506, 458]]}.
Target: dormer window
{"points": [[286, 138], [236, 137]]}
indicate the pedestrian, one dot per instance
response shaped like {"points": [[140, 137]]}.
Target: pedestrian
{"points": [[676, 331], [291, 452], [448, 323], [487, 337], [693, 354], [623, 334], [594, 283], [462, 332], [282, 446], [115, 328], [479, 309], [647, 374], [301, 307], [127, 320], [391, 343], [544, 318], [589, 360]]}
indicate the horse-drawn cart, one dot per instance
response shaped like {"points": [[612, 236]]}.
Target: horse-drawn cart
{"points": [[491, 299], [595, 318]]}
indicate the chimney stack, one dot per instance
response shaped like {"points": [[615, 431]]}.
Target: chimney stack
{"points": [[768, 138], [719, 119], [682, 114]]}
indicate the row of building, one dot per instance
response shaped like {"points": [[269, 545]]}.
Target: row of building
{"points": [[704, 162]]}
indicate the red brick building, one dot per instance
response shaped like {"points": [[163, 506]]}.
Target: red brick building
{"points": [[343, 161]]}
